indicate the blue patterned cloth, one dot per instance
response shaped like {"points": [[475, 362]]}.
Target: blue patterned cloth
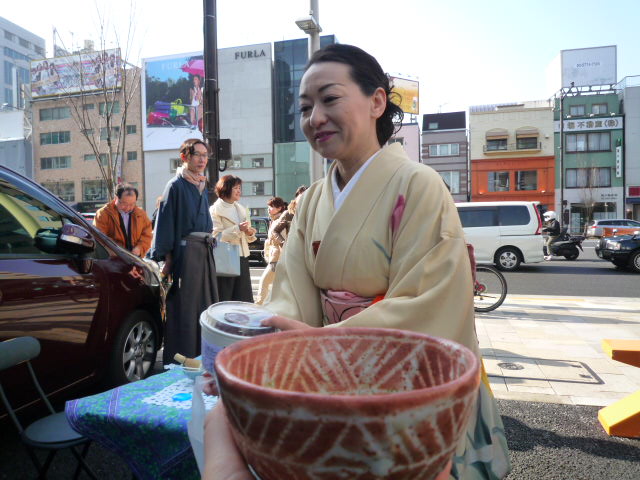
{"points": [[152, 439]]}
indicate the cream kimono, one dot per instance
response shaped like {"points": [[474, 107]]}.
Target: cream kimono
{"points": [[397, 235]]}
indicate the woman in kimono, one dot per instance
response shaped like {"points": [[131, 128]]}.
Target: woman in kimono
{"points": [[182, 238], [378, 242]]}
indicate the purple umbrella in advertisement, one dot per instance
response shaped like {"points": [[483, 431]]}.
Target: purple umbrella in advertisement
{"points": [[194, 67]]}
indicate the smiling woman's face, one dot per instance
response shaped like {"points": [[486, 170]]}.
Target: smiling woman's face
{"points": [[339, 120]]}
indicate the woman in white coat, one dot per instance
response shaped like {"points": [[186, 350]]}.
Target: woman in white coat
{"points": [[233, 222]]}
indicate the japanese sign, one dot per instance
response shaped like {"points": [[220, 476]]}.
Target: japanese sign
{"points": [[584, 124]]}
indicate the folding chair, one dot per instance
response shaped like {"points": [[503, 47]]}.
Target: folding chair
{"points": [[52, 432]]}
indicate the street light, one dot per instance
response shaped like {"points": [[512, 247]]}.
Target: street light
{"points": [[311, 26]]}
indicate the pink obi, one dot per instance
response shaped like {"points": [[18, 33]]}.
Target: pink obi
{"points": [[338, 305]]}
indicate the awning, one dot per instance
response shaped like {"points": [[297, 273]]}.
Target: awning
{"points": [[497, 133], [527, 132]]}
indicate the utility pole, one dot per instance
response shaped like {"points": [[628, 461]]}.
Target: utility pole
{"points": [[210, 94]]}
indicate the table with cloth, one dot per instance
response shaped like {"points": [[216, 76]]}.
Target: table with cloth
{"points": [[145, 422]]}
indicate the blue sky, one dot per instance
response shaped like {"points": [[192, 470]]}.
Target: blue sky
{"points": [[463, 52]]}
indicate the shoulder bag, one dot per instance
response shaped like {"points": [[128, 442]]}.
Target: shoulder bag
{"points": [[227, 257]]}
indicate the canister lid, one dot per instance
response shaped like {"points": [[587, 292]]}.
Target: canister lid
{"points": [[239, 318]]}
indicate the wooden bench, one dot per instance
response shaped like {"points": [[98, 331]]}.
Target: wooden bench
{"points": [[622, 418]]}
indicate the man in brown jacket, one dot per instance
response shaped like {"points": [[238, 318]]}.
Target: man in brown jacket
{"points": [[124, 222]]}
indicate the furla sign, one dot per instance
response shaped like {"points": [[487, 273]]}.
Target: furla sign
{"points": [[246, 54]]}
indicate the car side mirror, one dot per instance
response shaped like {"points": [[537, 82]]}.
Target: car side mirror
{"points": [[76, 239]]}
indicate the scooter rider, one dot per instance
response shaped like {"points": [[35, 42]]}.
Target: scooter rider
{"points": [[552, 228]]}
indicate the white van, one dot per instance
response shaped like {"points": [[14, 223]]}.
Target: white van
{"points": [[504, 233]]}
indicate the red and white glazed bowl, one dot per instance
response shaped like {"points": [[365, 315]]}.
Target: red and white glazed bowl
{"points": [[347, 403]]}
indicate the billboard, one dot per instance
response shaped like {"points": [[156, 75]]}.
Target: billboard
{"points": [[83, 72], [589, 66], [408, 94], [172, 97]]}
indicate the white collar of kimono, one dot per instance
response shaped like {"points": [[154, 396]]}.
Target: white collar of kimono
{"points": [[340, 195]]}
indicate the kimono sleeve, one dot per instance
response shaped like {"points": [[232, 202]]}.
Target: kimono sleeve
{"points": [[168, 216], [302, 302], [430, 284]]}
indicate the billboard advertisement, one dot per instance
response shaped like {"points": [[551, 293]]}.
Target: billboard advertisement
{"points": [[589, 66], [172, 97], [84, 72], [408, 94]]}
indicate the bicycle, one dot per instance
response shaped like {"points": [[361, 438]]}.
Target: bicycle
{"points": [[489, 289]]}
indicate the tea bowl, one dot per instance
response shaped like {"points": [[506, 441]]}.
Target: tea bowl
{"points": [[347, 403]]}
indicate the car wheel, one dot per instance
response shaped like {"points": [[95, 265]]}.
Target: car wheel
{"points": [[634, 261], [507, 259], [134, 350]]}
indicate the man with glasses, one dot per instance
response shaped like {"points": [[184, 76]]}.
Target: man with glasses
{"points": [[124, 222], [183, 240]]}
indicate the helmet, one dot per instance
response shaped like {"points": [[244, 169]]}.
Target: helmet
{"points": [[550, 215]]}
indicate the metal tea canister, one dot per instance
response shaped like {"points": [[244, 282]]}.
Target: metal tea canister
{"points": [[225, 323]]}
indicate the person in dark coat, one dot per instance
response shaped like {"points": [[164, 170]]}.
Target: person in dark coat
{"points": [[182, 238]]}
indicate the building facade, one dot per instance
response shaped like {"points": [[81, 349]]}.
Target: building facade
{"points": [[17, 48], [66, 163], [445, 149], [589, 184], [409, 137], [512, 152], [291, 150], [628, 91], [246, 116]]}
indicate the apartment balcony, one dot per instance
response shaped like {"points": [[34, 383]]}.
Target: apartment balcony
{"points": [[509, 148]]}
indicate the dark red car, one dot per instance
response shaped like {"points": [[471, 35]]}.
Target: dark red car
{"points": [[96, 309]]}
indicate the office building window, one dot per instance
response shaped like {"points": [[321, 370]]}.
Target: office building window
{"points": [[9, 52], [527, 180], [89, 106], [444, 149], [87, 131], [526, 143], [257, 162], [65, 190], [9, 36], [497, 144], [131, 129], [115, 131], [39, 50], [56, 113], [452, 179], [50, 163], [24, 43], [432, 126], [54, 138], [132, 155], [174, 163], [257, 188], [109, 107], [8, 72], [599, 108], [588, 142], [498, 181], [94, 191], [576, 110], [588, 177]]}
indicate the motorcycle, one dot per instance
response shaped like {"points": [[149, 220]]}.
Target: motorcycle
{"points": [[565, 246]]}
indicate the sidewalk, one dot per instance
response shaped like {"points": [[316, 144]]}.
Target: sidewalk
{"points": [[549, 348]]}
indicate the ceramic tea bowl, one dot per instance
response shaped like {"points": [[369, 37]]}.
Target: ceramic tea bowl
{"points": [[347, 403]]}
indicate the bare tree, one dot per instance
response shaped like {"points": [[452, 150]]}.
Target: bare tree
{"points": [[112, 82]]}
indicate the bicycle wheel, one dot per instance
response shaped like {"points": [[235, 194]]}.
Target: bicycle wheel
{"points": [[490, 289]]}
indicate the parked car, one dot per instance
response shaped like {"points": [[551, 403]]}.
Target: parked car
{"points": [[261, 224], [504, 233], [604, 228], [89, 216], [621, 250], [96, 309]]}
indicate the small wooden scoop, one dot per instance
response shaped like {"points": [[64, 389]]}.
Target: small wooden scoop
{"points": [[187, 362]]}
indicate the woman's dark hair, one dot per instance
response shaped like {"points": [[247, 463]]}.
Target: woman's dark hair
{"points": [[226, 184], [368, 74], [300, 190], [277, 202], [188, 146]]}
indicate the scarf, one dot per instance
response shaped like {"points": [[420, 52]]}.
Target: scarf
{"points": [[195, 179]]}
